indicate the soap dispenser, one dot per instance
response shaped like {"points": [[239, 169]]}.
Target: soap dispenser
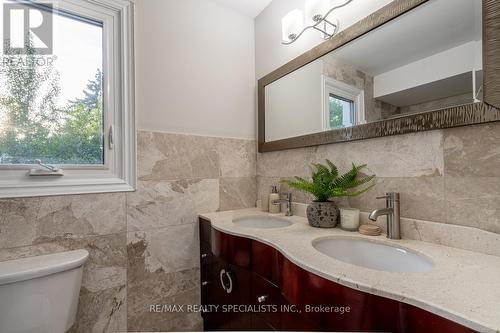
{"points": [[274, 209]]}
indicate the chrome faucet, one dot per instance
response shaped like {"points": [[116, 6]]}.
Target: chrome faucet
{"points": [[392, 211], [287, 201]]}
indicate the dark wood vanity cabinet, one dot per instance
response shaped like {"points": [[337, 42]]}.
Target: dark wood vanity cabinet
{"points": [[254, 287]]}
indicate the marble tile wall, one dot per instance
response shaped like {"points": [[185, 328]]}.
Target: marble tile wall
{"points": [[36, 226], [179, 177], [446, 176], [143, 245]]}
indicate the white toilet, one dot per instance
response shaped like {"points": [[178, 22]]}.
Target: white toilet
{"points": [[40, 294]]}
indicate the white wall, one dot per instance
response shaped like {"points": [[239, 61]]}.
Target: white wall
{"points": [[294, 104], [466, 58], [195, 68], [270, 53]]}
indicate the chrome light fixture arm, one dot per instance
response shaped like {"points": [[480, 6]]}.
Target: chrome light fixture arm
{"points": [[319, 19]]}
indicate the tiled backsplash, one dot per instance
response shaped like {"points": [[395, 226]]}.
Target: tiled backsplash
{"points": [[143, 245], [446, 176]]}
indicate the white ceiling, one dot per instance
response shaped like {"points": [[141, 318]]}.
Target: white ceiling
{"points": [[431, 28], [250, 8]]}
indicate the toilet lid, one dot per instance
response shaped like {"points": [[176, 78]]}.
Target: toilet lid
{"points": [[29, 268]]}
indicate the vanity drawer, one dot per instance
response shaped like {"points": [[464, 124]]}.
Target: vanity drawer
{"points": [[267, 298], [290, 281], [204, 227], [265, 261], [232, 249]]}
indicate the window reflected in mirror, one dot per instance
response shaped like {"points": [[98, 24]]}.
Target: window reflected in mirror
{"points": [[425, 60], [341, 112]]}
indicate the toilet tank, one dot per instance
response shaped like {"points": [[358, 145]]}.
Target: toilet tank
{"points": [[40, 294]]}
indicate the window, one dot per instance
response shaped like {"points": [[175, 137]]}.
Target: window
{"points": [[343, 104], [51, 109], [67, 98], [341, 112]]}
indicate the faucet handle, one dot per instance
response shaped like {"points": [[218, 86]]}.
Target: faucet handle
{"points": [[287, 195], [390, 195]]}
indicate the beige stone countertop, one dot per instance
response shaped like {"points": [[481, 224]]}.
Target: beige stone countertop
{"points": [[464, 286]]}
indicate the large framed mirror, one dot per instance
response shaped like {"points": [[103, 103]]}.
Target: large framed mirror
{"points": [[414, 65]]}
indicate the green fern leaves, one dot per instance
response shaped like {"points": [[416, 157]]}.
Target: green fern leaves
{"points": [[326, 182]]}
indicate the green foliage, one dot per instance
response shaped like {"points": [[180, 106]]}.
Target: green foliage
{"points": [[32, 126], [79, 139], [336, 114], [326, 182], [92, 95]]}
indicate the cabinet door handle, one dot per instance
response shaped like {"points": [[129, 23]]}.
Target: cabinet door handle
{"points": [[204, 255], [228, 287], [262, 299], [204, 283]]}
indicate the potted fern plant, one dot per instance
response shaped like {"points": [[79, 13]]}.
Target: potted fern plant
{"points": [[326, 183]]}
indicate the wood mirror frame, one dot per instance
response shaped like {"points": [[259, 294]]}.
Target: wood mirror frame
{"points": [[477, 113]]}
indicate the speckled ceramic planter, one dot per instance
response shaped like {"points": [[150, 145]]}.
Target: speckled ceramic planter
{"points": [[323, 214]]}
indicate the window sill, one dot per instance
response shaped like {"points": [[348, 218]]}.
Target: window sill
{"points": [[17, 183], [61, 187]]}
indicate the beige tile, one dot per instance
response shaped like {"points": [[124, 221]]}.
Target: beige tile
{"points": [[144, 320], [461, 237], [482, 213], [237, 193], [471, 187], [473, 151], [154, 288], [158, 204], [80, 215], [21, 252], [473, 201], [105, 268], [286, 163], [102, 312], [411, 155], [421, 198], [107, 264], [162, 269], [191, 322], [169, 249], [164, 156], [335, 153], [237, 157], [37, 220], [18, 221]]}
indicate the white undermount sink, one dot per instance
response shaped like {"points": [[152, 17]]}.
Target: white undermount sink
{"points": [[373, 255], [262, 222]]}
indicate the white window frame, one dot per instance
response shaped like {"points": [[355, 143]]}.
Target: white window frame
{"points": [[118, 174], [330, 86]]}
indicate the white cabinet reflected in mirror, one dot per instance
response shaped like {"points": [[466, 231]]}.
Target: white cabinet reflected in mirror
{"points": [[427, 59]]}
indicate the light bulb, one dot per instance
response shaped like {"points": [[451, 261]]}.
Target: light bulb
{"points": [[315, 10], [292, 24]]}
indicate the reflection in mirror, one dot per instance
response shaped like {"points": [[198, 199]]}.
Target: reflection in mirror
{"points": [[427, 59]]}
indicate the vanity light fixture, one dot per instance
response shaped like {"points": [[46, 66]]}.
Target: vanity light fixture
{"points": [[316, 17], [291, 25]]}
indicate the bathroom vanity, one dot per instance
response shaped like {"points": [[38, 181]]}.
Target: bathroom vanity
{"points": [[256, 282]]}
